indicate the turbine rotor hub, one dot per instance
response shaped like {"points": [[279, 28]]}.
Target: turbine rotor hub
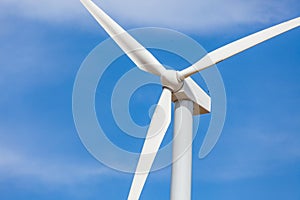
{"points": [[170, 79]]}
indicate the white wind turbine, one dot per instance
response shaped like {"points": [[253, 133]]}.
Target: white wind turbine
{"points": [[189, 99]]}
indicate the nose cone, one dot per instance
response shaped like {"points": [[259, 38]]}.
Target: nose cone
{"points": [[170, 79]]}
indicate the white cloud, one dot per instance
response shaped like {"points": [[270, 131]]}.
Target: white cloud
{"points": [[250, 152], [194, 15], [199, 15], [19, 165], [54, 11]]}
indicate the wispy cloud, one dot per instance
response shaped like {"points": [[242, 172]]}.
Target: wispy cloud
{"points": [[47, 10], [253, 151], [40, 153], [201, 16], [19, 165], [194, 15]]}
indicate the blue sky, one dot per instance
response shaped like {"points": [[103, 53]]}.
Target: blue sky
{"points": [[42, 47]]}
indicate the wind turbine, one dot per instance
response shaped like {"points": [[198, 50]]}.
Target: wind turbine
{"points": [[178, 87]]}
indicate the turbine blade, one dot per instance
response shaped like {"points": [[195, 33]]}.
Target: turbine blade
{"points": [[159, 124], [134, 50], [197, 95], [238, 46]]}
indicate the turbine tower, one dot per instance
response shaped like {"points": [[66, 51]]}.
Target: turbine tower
{"points": [[178, 87]]}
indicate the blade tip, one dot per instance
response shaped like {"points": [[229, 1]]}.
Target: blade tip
{"points": [[202, 155]]}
